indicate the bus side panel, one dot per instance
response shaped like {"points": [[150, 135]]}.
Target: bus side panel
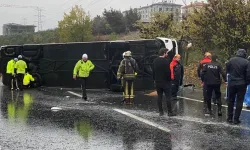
{"points": [[59, 60], [143, 52]]}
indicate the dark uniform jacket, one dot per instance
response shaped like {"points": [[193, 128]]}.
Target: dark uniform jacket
{"points": [[239, 71], [161, 71], [201, 65], [211, 74], [127, 68]]}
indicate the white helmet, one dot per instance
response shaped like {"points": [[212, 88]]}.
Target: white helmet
{"points": [[20, 56], [84, 56]]}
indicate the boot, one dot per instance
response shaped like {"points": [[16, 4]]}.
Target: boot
{"points": [[230, 120], [127, 101], [236, 121], [130, 101], [208, 112]]}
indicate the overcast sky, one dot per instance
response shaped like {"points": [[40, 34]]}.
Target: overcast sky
{"points": [[53, 9]]}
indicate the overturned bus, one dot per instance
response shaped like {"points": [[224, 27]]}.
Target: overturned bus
{"points": [[52, 64]]}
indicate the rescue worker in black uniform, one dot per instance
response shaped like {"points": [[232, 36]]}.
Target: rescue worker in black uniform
{"points": [[127, 72], [211, 76], [239, 70]]}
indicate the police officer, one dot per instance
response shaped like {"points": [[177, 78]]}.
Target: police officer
{"points": [[127, 71], [176, 75], [10, 71], [211, 77], [20, 71], [239, 70], [202, 64], [81, 71]]}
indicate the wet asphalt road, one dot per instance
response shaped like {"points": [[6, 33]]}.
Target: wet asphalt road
{"points": [[27, 122]]}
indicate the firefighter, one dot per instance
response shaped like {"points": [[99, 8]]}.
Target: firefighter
{"points": [[82, 71], [20, 71], [27, 80], [10, 71], [211, 77], [127, 71], [176, 75], [239, 70]]}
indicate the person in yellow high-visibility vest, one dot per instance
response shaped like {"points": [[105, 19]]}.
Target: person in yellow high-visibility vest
{"points": [[10, 71], [82, 71], [127, 72], [27, 80], [20, 71]]}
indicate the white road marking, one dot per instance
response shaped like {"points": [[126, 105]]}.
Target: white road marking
{"points": [[142, 120], [79, 95], [73, 93], [196, 100]]}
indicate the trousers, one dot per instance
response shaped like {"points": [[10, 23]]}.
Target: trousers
{"points": [[128, 89], [166, 89], [12, 81], [216, 89], [175, 88], [83, 82], [239, 91], [20, 81]]}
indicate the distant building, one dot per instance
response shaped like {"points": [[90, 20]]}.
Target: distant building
{"points": [[189, 9], [164, 6], [12, 28]]}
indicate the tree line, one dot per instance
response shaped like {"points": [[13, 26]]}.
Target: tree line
{"points": [[77, 26]]}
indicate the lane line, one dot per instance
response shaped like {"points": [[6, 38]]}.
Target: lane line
{"points": [[196, 100], [142, 120], [79, 95], [73, 93]]}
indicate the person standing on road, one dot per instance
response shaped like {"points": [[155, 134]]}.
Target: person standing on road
{"points": [[82, 71], [127, 71], [239, 69], [211, 77], [162, 77], [20, 71], [202, 64], [10, 71], [176, 75]]}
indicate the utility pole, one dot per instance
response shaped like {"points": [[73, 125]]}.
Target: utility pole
{"points": [[39, 19]]}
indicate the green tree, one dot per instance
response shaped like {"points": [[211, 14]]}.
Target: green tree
{"points": [[116, 20], [101, 26], [222, 25], [48, 36], [161, 24], [131, 17], [75, 26]]}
